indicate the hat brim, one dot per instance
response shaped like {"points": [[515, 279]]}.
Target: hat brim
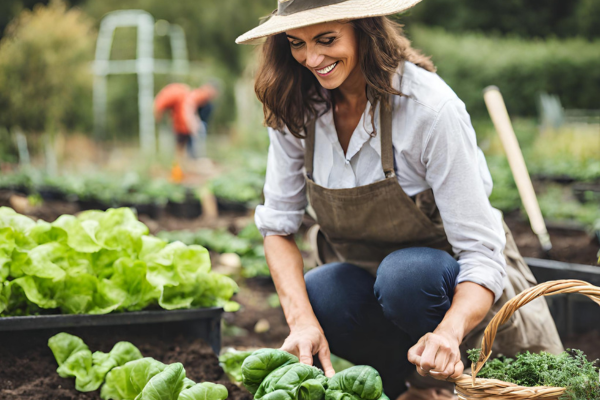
{"points": [[350, 9]]}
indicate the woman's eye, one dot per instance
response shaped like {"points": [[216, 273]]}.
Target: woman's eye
{"points": [[327, 41], [296, 45]]}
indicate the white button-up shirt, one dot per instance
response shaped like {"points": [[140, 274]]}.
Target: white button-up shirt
{"points": [[434, 147]]}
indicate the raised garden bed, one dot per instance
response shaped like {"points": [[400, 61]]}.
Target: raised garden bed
{"points": [[574, 314], [28, 368], [203, 323]]}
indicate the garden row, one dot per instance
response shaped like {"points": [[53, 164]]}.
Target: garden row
{"points": [[99, 263], [234, 192]]}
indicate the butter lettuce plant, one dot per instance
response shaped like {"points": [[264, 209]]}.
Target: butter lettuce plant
{"points": [[75, 360], [100, 262], [277, 375], [125, 374]]}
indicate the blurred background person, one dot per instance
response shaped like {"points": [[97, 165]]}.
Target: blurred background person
{"points": [[190, 111]]}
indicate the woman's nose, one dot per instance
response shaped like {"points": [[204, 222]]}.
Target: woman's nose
{"points": [[313, 57]]}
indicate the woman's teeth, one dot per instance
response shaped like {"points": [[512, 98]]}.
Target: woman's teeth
{"points": [[327, 69]]}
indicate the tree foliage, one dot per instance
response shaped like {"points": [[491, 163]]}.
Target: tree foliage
{"points": [[525, 18], [45, 83]]}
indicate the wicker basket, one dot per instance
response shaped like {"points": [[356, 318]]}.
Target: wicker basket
{"points": [[470, 387]]}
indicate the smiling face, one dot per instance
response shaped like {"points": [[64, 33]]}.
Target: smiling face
{"points": [[329, 50]]}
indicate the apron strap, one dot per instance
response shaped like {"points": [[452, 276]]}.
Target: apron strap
{"points": [[387, 148], [309, 150], [385, 124]]}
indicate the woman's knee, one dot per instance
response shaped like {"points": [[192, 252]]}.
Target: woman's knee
{"points": [[330, 285], [416, 284], [422, 267]]}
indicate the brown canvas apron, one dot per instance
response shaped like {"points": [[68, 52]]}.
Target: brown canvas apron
{"points": [[362, 225]]}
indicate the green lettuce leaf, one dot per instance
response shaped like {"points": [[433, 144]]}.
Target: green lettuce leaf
{"points": [[128, 381], [356, 383], [41, 292], [261, 363], [42, 261], [231, 362], [89, 370], [43, 232], [204, 391], [118, 229], [165, 386], [129, 284], [7, 245], [5, 292], [63, 345], [20, 226], [293, 381], [81, 234]]}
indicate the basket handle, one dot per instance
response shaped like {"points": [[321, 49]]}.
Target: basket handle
{"points": [[544, 289]]}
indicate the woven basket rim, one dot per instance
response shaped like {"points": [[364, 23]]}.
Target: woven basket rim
{"points": [[482, 388]]}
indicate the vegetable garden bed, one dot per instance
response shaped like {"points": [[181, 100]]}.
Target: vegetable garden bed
{"points": [[28, 368]]}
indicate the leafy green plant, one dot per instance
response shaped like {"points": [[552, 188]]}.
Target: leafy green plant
{"points": [[99, 262], [247, 244], [239, 186], [231, 362], [218, 240], [128, 375], [570, 370], [277, 375], [75, 360]]}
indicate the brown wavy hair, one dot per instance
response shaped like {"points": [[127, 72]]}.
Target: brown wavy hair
{"points": [[291, 94]]}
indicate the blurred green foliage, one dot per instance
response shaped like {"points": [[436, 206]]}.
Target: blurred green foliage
{"points": [[45, 82], [520, 68], [526, 18]]}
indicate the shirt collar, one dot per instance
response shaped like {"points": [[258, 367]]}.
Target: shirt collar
{"points": [[360, 136]]}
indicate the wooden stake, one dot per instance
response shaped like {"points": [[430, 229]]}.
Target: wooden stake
{"points": [[497, 109]]}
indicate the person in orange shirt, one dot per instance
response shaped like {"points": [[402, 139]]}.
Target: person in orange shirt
{"points": [[184, 104]]}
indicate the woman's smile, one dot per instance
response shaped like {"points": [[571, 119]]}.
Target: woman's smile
{"points": [[327, 70]]}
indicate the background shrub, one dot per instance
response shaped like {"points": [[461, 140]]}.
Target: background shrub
{"points": [[520, 68]]}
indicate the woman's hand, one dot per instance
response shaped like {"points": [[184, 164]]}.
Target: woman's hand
{"points": [[437, 354], [307, 340]]}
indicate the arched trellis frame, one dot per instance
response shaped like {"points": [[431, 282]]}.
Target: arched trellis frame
{"points": [[144, 66]]}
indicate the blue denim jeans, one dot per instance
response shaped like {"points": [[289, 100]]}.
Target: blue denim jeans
{"points": [[374, 321]]}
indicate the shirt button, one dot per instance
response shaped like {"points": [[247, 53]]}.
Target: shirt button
{"points": [[347, 161]]}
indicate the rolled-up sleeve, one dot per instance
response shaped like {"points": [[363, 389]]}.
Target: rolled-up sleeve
{"points": [[285, 196], [473, 227]]}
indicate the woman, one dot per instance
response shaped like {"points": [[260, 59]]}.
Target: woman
{"points": [[364, 131]]}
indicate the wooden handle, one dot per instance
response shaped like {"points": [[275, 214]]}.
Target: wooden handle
{"points": [[544, 289], [497, 109]]}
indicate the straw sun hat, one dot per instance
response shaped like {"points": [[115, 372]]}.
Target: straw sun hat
{"points": [[292, 14]]}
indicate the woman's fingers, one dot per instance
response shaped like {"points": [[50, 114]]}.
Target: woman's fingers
{"points": [[305, 350], [430, 354], [434, 356], [414, 353], [325, 358], [459, 368], [290, 347]]}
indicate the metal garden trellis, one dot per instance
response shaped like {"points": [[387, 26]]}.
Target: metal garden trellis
{"points": [[144, 65]]}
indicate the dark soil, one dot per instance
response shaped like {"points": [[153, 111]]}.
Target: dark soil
{"points": [[239, 329], [28, 368], [568, 244]]}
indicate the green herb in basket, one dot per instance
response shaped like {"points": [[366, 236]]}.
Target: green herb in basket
{"points": [[570, 370]]}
